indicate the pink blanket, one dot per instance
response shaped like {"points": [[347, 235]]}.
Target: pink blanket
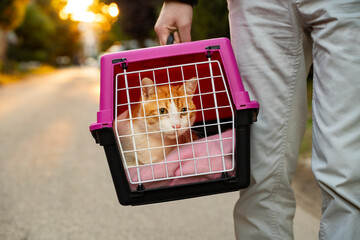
{"points": [[202, 159]]}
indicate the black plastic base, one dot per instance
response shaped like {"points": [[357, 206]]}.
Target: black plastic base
{"points": [[106, 138]]}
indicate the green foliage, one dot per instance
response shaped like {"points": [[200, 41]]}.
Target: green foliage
{"points": [[43, 36], [115, 34], [306, 143], [210, 20], [35, 36], [12, 13], [137, 18]]}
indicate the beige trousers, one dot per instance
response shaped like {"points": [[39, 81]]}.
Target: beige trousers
{"points": [[275, 42]]}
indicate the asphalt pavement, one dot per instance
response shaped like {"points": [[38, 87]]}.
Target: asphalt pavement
{"points": [[55, 182]]}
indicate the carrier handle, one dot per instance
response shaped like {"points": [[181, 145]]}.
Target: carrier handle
{"points": [[170, 39]]}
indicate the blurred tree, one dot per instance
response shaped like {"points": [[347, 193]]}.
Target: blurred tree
{"points": [[210, 20], [43, 36], [35, 36], [138, 18], [12, 13], [116, 33], [66, 40]]}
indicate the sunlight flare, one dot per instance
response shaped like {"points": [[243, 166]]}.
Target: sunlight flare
{"points": [[113, 10], [83, 11]]}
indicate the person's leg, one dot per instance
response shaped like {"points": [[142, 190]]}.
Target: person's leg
{"points": [[273, 57], [336, 113]]}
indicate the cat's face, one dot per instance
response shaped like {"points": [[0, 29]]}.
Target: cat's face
{"points": [[173, 113]]}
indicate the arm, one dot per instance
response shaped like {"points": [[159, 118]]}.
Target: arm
{"points": [[175, 17]]}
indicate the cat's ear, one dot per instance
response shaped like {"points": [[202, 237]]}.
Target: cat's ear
{"points": [[190, 86], [148, 88]]}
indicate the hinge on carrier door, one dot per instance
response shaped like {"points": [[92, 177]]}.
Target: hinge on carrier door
{"points": [[210, 49], [122, 61]]}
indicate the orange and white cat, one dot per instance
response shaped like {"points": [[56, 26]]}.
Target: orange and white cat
{"points": [[161, 123]]}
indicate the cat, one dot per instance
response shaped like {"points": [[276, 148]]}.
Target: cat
{"points": [[169, 120]]}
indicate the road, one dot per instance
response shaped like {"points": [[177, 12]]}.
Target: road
{"points": [[55, 182]]}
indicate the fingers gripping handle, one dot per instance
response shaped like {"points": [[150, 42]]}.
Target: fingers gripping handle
{"points": [[170, 39]]}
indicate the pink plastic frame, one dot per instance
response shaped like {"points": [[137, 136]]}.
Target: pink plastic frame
{"points": [[240, 97]]}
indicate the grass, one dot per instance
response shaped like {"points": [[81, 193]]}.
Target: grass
{"points": [[6, 78], [18, 76], [43, 69], [306, 144]]}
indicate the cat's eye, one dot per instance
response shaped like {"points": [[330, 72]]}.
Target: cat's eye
{"points": [[184, 111], [163, 110]]}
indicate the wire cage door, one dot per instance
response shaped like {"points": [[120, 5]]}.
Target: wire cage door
{"points": [[177, 133]]}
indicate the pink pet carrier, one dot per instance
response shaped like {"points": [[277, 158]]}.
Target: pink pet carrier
{"points": [[215, 157]]}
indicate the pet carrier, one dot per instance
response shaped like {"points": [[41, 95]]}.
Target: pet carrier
{"points": [[174, 121]]}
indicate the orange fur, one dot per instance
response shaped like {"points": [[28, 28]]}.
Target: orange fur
{"points": [[162, 122]]}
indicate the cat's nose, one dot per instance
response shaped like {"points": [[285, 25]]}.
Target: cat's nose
{"points": [[176, 126]]}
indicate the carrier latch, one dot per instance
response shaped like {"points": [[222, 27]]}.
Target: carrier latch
{"points": [[210, 49], [140, 188], [122, 61]]}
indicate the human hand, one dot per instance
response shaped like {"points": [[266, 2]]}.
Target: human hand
{"points": [[175, 17]]}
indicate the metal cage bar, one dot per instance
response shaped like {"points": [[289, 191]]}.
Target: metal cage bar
{"points": [[204, 125]]}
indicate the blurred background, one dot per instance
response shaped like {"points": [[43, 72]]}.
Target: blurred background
{"points": [[54, 180], [58, 33]]}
